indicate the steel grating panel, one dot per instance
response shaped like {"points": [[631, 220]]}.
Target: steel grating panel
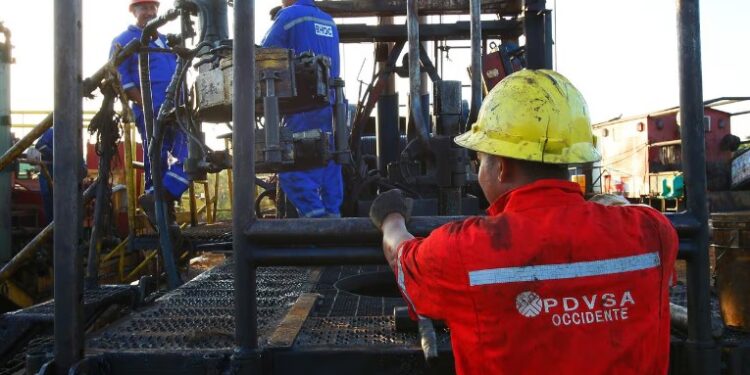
{"points": [[357, 331], [341, 303], [195, 236], [199, 316], [344, 319]]}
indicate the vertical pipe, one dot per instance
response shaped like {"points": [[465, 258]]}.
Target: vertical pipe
{"points": [[340, 127], [415, 81], [5, 144], [424, 79], [533, 24], [476, 62], [68, 117], [230, 185], [548, 41], [243, 168], [127, 129], [387, 134], [702, 360], [272, 152]]}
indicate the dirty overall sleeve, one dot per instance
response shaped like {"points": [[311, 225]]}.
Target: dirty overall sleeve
{"points": [[431, 275], [128, 69]]}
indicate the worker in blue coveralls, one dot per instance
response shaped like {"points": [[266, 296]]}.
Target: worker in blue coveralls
{"points": [[44, 146], [302, 27], [162, 66]]}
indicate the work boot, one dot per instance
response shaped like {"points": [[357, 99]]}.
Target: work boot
{"points": [[146, 201], [148, 205]]}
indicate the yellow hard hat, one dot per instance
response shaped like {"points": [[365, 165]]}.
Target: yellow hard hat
{"points": [[534, 115]]}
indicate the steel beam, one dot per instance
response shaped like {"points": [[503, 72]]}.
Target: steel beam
{"points": [[5, 144], [360, 33], [704, 356], [68, 116], [371, 8]]}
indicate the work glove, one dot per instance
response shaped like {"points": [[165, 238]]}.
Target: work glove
{"points": [[610, 200], [390, 202]]}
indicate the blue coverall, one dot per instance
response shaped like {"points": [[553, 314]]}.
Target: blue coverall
{"points": [[44, 146], [162, 67], [303, 27]]}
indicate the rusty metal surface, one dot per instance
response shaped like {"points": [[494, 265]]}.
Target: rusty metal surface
{"points": [[731, 242], [733, 285], [368, 8], [288, 329]]}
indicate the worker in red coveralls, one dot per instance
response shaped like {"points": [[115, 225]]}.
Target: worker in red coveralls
{"points": [[546, 282]]}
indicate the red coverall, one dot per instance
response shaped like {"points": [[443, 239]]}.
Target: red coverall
{"points": [[548, 283]]}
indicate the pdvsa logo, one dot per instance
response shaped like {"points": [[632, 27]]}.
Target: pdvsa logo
{"points": [[586, 309], [529, 304], [324, 30]]}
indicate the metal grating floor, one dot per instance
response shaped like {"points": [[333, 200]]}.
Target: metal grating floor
{"points": [[204, 234], [30, 330], [340, 303], [200, 314]]}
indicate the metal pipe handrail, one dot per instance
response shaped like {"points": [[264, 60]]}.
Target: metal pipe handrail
{"points": [[334, 231], [243, 169], [68, 150], [705, 357]]}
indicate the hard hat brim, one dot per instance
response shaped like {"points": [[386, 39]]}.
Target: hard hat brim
{"points": [[578, 153]]}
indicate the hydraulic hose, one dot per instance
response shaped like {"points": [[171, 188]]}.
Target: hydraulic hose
{"points": [[155, 135]]}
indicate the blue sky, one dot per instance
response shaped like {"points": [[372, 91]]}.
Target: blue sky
{"points": [[621, 54]]}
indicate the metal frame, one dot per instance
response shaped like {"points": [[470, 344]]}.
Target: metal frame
{"points": [[692, 226]]}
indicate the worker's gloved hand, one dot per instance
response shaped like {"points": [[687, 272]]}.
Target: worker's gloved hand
{"points": [[390, 202], [610, 200]]}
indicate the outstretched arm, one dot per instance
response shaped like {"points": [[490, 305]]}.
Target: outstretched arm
{"points": [[394, 234]]}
